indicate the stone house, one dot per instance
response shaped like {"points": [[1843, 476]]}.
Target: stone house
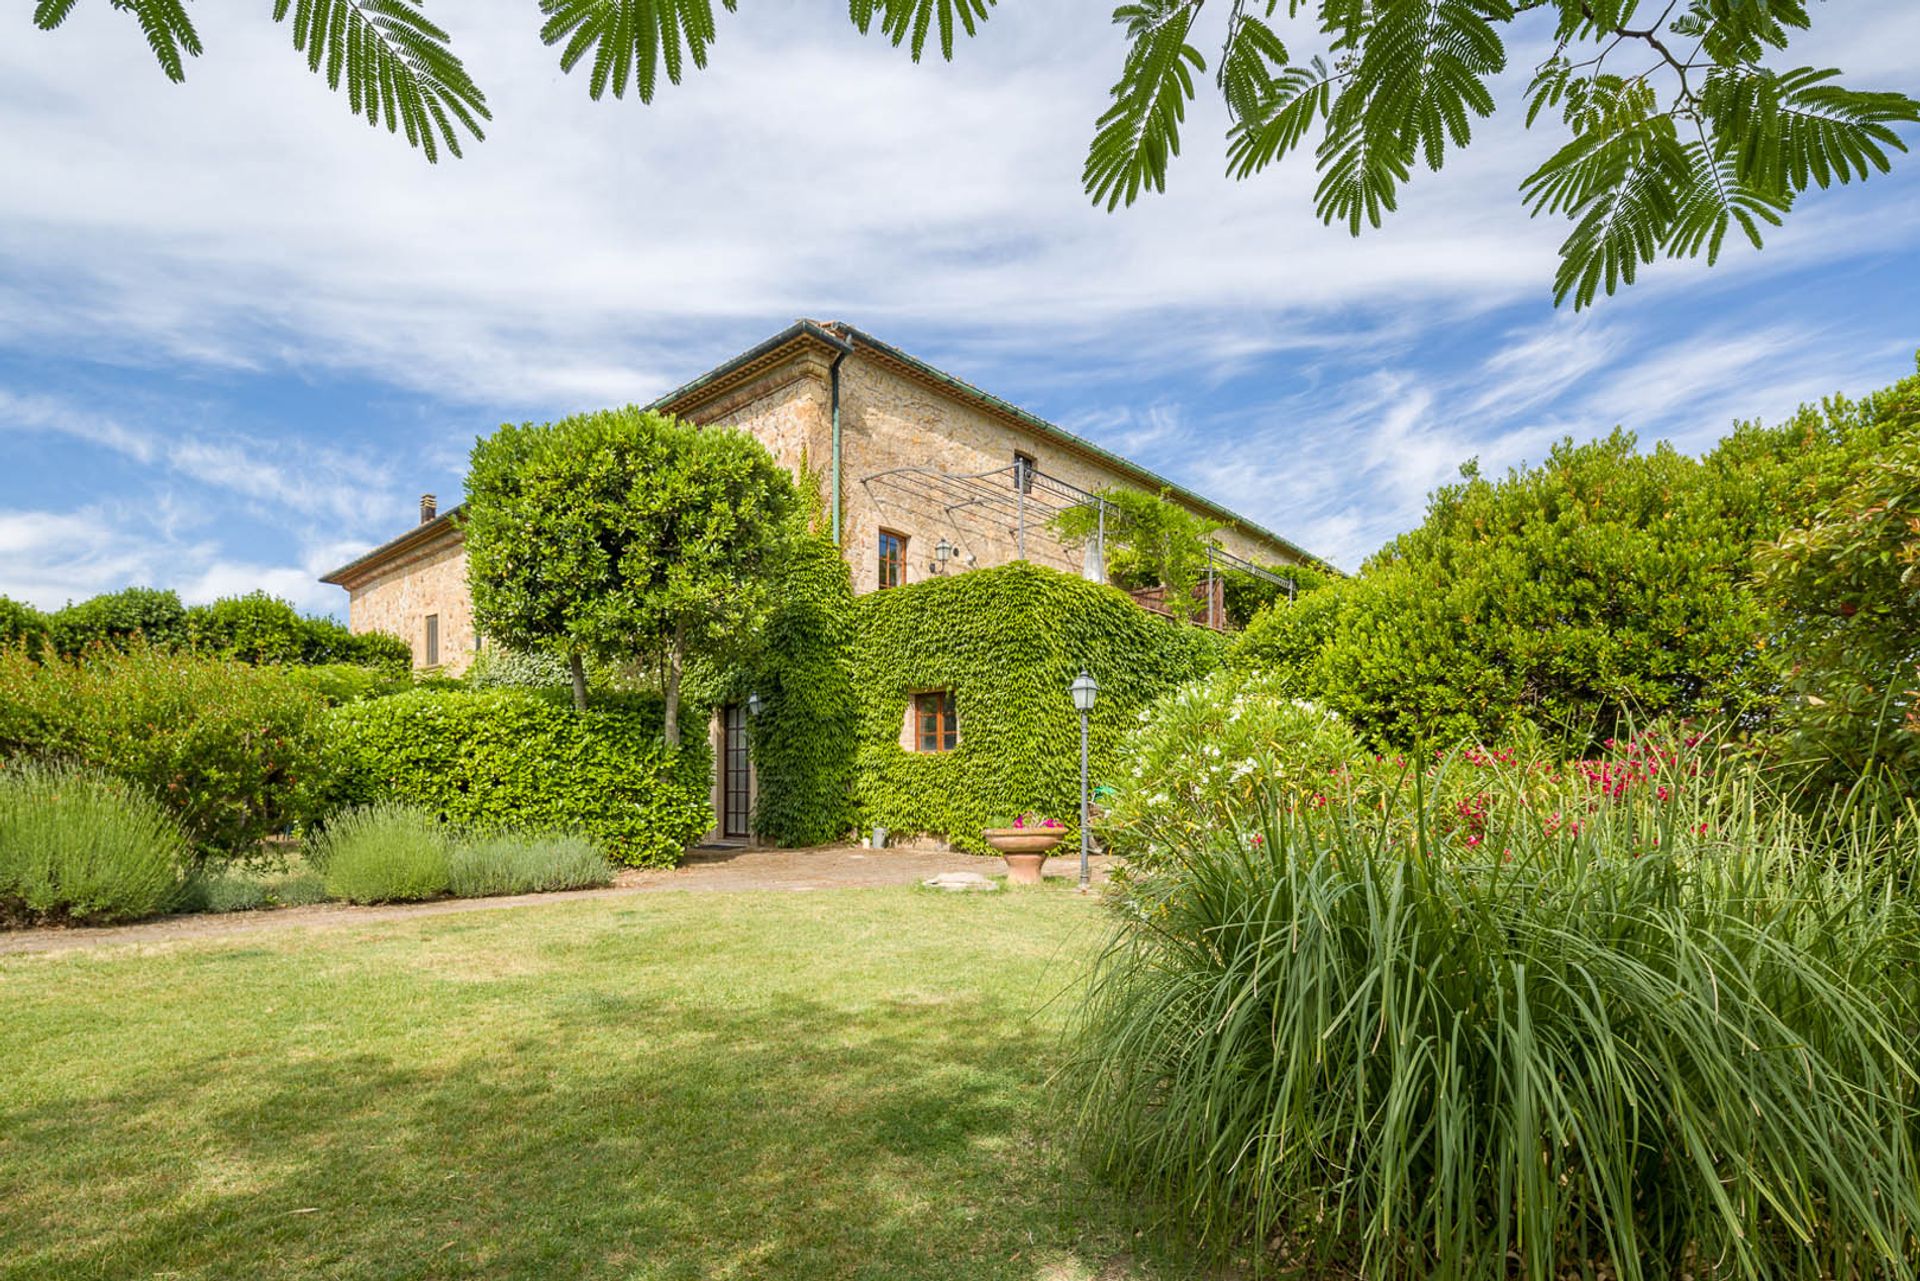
{"points": [[923, 474]]}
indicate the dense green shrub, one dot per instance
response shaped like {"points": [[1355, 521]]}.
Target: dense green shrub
{"points": [[233, 751], [115, 618], [338, 683], [1007, 642], [1206, 755], [504, 758], [384, 853], [81, 846], [497, 667], [1847, 589], [1629, 1047], [258, 628], [255, 628], [21, 626], [1602, 587], [526, 862]]}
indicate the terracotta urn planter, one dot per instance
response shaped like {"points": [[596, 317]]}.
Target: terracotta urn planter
{"points": [[1025, 849]]}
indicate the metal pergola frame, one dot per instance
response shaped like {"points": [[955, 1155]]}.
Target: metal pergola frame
{"points": [[1031, 496]]}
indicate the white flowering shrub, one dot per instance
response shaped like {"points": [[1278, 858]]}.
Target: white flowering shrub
{"points": [[1205, 757]]}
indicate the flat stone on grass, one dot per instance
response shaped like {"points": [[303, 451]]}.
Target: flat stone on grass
{"points": [[960, 882]]}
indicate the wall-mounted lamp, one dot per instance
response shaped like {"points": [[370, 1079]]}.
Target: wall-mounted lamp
{"points": [[943, 551], [755, 704]]}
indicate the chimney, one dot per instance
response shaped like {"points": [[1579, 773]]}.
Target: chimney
{"points": [[427, 508]]}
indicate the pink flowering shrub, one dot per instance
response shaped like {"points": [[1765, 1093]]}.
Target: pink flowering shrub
{"points": [[1032, 819], [1659, 778]]}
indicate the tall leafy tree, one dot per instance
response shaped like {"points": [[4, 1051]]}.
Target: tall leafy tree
{"points": [[1682, 121], [623, 535]]}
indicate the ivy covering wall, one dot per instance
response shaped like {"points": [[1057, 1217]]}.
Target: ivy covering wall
{"points": [[1007, 641], [803, 740]]}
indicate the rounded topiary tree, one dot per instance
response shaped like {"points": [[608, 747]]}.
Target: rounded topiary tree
{"points": [[625, 534]]}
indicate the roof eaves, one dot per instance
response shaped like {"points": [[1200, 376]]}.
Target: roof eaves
{"points": [[414, 537], [798, 330]]}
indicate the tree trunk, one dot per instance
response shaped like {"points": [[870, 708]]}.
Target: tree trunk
{"points": [[672, 725], [579, 670]]}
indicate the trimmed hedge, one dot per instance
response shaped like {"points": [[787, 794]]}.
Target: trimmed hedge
{"points": [[1007, 641], [233, 751], [497, 759]]}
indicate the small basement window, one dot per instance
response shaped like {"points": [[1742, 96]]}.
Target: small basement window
{"points": [[432, 646], [936, 728], [893, 558]]}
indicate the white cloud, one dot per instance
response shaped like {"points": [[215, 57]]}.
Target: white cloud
{"points": [[48, 558]]}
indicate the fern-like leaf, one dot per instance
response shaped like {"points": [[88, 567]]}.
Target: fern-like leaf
{"points": [[1788, 130], [1625, 190], [1141, 129], [1713, 201], [631, 39], [909, 22], [1297, 99], [396, 65], [170, 34], [1418, 78], [1252, 56]]}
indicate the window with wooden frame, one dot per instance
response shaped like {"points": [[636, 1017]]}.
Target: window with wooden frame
{"points": [[432, 640], [1023, 469], [936, 729], [893, 558]]}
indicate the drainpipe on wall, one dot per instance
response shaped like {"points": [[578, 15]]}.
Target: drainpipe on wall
{"points": [[833, 380]]}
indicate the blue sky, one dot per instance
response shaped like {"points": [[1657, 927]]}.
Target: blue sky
{"points": [[240, 333]]}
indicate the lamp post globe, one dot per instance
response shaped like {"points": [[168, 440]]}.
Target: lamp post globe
{"points": [[1083, 692]]}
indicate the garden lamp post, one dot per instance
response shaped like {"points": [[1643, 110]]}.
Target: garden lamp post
{"points": [[1084, 689]]}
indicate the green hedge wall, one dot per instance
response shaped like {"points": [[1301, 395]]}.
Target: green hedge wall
{"points": [[803, 740], [1007, 641], [499, 758]]}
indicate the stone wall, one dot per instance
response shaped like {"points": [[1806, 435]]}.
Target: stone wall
{"points": [[890, 420], [430, 580]]}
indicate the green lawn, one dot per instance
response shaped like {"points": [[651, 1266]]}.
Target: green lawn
{"points": [[822, 1085]]}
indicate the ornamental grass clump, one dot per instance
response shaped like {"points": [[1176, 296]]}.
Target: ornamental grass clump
{"points": [[385, 853], [527, 863], [81, 846], [1640, 1049]]}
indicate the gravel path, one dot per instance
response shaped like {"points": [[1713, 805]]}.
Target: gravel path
{"points": [[711, 869]]}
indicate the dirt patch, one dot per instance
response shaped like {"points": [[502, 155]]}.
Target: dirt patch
{"points": [[826, 867]]}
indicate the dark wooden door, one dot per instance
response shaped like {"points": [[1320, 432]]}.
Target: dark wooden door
{"points": [[736, 780]]}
